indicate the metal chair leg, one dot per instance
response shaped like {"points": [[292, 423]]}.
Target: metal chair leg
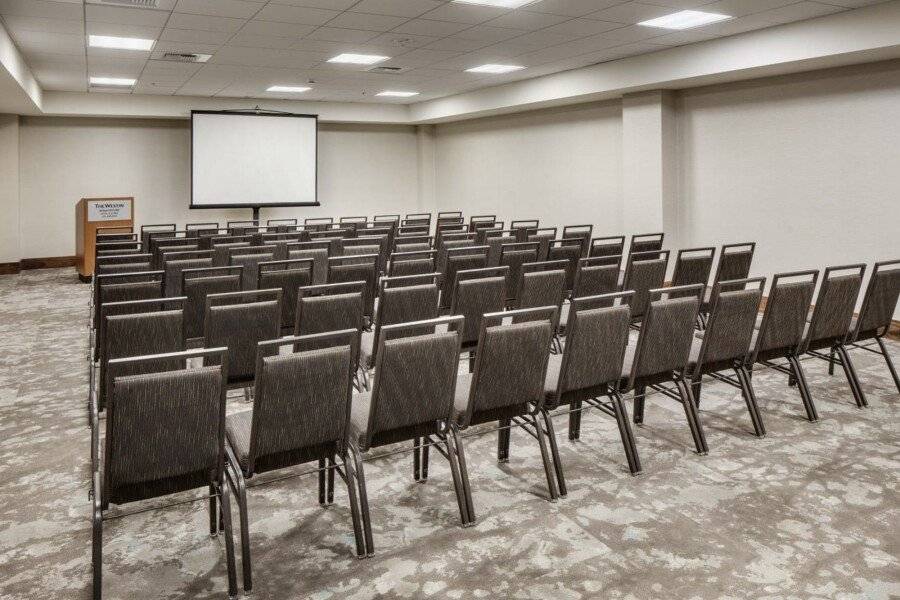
{"points": [[350, 480], [890, 363], [803, 387], [464, 471], [213, 515], [458, 487], [850, 372], [750, 399], [626, 433], [236, 480], [417, 465], [831, 362], [363, 499], [425, 449], [503, 435], [225, 504], [97, 540], [545, 457], [693, 418], [321, 482], [554, 453], [639, 405], [575, 420]]}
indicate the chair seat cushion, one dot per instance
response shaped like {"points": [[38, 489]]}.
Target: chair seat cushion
{"points": [[551, 381], [237, 431], [359, 417], [367, 343], [461, 396]]}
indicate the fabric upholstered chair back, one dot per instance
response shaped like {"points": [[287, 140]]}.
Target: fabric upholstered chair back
{"points": [[833, 312], [608, 246], [520, 228], [543, 237], [415, 381], [318, 252], [597, 275], [784, 319], [196, 285], [569, 250], [667, 334], [357, 268], [880, 300], [249, 257], [580, 232], [542, 288], [476, 292], [646, 242], [510, 366], [460, 259], [301, 401], [239, 321], [734, 262], [645, 271], [495, 240], [174, 266], [514, 256], [693, 265], [411, 263], [165, 429], [288, 276], [728, 334], [596, 339], [331, 307], [138, 328]]}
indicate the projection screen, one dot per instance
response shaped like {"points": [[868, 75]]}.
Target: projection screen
{"points": [[245, 159]]}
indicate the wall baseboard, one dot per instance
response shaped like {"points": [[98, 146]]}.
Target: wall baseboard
{"points": [[47, 262]]}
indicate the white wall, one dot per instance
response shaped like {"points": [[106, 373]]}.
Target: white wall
{"points": [[806, 165], [9, 189], [562, 166], [362, 169]]}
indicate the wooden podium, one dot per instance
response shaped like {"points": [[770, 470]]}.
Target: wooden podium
{"points": [[92, 214]]}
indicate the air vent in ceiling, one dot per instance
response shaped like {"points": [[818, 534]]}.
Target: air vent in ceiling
{"points": [[185, 57], [138, 3], [388, 70]]}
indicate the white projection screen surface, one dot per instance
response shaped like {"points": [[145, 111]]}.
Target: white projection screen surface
{"points": [[251, 160]]}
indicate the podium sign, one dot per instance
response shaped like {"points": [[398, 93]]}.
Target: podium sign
{"points": [[91, 214]]}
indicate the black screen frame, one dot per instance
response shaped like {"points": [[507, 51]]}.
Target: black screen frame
{"points": [[254, 113]]}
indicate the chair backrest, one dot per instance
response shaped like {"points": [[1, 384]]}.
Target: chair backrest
{"points": [[415, 381], [177, 244], [176, 262], [569, 250], [476, 292], [646, 242], [597, 275], [198, 227], [581, 232], [411, 263], [400, 302], [249, 257], [611, 245], [301, 400], [645, 271], [417, 219], [520, 228], [596, 340], [281, 225], [221, 248], [138, 328], [542, 288], [318, 252], [161, 230], [281, 241], [734, 262], [494, 239], [289, 276], [123, 263], [476, 222], [514, 256], [165, 429], [664, 343], [460, 259], [121, 287], [484, 231], [543, 236], [510, 366], [364, 267], [833, 312], [784, 318], [243, 227], [238, 321], [412, 242], [693, 265], [317, 224], [392, 219], [365, 245], [880, 301], [734, 306], [329, 307], [196, 285]]}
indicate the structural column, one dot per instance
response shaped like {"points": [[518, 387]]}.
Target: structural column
{"points": [[649, 164], [10, 251], [426, 167]]}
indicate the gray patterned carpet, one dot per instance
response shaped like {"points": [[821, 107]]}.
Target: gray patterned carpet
{"points": [[811, 511]]}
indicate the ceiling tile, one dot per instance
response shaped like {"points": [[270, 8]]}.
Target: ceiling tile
{"points": [[204, 22], [739, 8], [799, 11], [162, 47], [41, 8], [295, 14], [435, 28], [464, 13], [631, 13], [581, 27], [329, 4], [241, 9], [116, 29], [14, 23], [53, 43], [397, 8], [457, 44], [337, 34], [570, 8], [125, 16], [291, 30], [265, 57], [404, 40], [369, 22], [527, 21], [195, 36], [487, 33], [259, 41]]}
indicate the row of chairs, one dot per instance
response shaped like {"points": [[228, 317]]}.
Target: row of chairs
{"points": [[515, 380]]}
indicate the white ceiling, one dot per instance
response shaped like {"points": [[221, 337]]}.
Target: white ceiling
{"points": [[258, 43]]}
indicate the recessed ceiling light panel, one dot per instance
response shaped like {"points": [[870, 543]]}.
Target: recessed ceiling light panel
{"points": [[397, 94], [112, 81], [358, 59], [497, 3], [294, 89], [119, 43], [685, 19], [495, 69]]}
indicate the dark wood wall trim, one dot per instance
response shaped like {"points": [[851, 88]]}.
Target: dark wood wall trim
{"points": [[49, 262], [9, 268]]}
